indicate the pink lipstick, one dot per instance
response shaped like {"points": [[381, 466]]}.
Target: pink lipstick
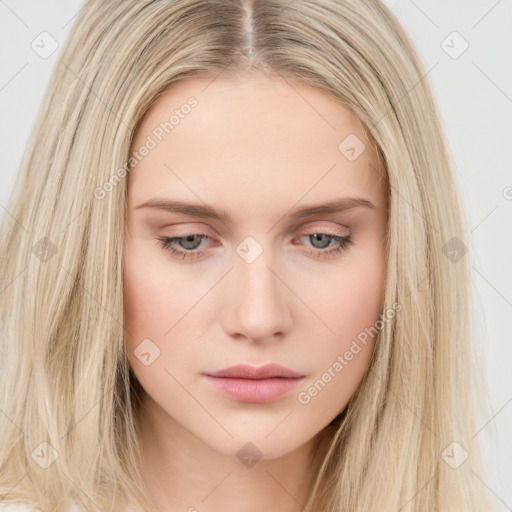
{"points": [[250, 384]]}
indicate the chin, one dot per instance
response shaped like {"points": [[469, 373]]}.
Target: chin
{"points": [[256, 445]]}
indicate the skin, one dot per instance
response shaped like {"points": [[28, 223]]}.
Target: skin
{"points": [[255, 147]]}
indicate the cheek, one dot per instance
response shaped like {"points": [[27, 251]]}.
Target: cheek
{"points": [[155, 296], [151, 304], [349, 305], [349, 299], [144, 296], [162, 303]]}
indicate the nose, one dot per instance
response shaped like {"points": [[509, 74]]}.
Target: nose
{"points": [[257, 303]]}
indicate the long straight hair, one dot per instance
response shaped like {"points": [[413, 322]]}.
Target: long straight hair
{"points": [[68, 397]]}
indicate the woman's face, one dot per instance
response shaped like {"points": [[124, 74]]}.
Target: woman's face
{"points": [[246, 253]]}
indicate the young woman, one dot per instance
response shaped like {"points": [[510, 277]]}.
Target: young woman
{"points": [[233, 271]]}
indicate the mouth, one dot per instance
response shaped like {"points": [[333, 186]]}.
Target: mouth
{"points": [[250, 384]]}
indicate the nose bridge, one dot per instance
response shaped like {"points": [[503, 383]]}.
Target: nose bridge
{"points": [[258, 307]]}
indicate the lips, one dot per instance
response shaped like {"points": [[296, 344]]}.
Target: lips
{"points": [[257, 385], [245, 371]]}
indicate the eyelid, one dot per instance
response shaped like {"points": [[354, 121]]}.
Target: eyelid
{"points": [[185, 228], [306, 230], [310, 228], [335, 229]]}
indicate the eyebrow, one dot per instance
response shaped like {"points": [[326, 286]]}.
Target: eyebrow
{"points": [[209, 212]]}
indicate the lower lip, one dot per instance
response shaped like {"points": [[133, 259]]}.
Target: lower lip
{"points": [[256, 391]]}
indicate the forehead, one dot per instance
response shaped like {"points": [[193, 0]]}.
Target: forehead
{"points": [[257, 136]]}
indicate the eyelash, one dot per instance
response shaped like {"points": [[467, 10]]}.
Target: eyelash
{"points": [[344, 242]]}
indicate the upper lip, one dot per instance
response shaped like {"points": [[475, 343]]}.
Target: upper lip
{"points": [[246, 371]]}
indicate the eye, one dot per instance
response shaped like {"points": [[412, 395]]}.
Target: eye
{"points": [[186, 247], [324, 248], [188, 243]]}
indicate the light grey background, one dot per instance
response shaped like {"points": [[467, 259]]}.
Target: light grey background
{"points": [[474, 95]]}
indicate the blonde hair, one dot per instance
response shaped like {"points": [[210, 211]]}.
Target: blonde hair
{"points": [[65, 379]]}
